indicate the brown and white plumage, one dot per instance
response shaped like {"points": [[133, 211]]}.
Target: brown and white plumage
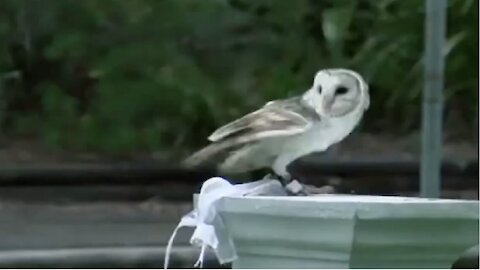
{"points": [[284, 130]]}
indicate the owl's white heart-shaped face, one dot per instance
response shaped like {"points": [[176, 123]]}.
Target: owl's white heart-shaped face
{"points": [[337, 92]]}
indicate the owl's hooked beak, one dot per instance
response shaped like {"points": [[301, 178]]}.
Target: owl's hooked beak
{"points": [[327, 103]]}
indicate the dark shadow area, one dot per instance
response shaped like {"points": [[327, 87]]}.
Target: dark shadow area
{"points": [[468, 260]]}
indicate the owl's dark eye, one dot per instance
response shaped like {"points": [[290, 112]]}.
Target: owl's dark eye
{"points": [[341, 90], [319, 89]]}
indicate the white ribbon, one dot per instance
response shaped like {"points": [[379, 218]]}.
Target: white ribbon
{"points": [[209, 231]]}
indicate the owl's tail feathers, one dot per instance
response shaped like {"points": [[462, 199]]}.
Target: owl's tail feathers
{"points": [[205, 157]]}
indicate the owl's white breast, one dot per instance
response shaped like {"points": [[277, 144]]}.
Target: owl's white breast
{"points": [[317, 139]]}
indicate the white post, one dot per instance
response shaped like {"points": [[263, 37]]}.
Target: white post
{"points": [[435, 24]]}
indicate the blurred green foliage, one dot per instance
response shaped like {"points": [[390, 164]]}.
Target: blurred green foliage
{"points": [[118, 76]]}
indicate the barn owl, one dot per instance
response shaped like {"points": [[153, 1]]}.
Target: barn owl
{"points": [[284, 130]]}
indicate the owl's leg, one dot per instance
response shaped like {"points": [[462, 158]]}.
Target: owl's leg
{"points": [[296, 188], [280, 170], [292, 186], [271, 176]]}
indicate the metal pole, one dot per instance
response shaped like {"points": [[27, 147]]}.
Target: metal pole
{"points": [[435, 24]]}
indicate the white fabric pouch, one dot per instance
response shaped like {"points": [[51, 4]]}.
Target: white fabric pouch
{"points": [[209, 229]]}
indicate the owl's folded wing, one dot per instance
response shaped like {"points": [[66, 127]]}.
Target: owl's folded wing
{"points": [[269, 121], [276, 119]]}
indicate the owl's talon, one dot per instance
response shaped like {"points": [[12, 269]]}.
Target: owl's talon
{"points": [[269, 176], [295, 188]]}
